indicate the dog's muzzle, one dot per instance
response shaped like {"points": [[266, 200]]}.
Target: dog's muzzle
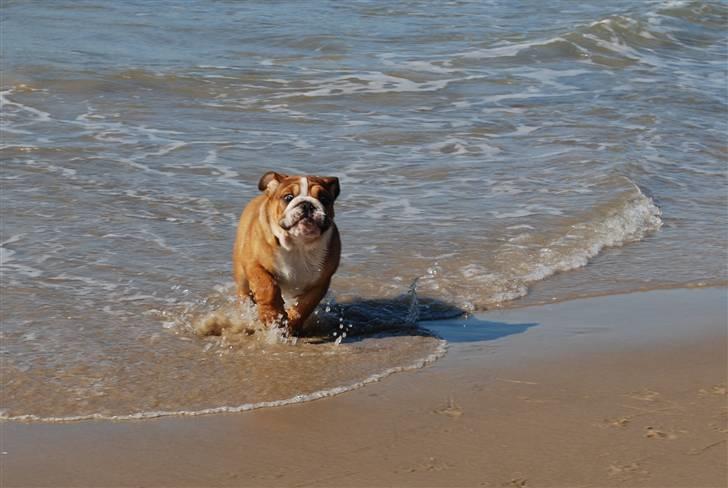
{"points": [[305, 213]]}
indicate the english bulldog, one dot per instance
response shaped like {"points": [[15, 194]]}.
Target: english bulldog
{"points": [[287, 247]]}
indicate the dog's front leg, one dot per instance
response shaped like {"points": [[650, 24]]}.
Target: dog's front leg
{"points": [[267, 295], [305, 304]]}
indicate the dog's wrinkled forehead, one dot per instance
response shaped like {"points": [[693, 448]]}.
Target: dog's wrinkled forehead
{"points": [[324, 188], [298, 186]]}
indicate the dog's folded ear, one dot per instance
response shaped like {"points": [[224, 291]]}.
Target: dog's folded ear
{"points": [[269, 181], [332, 185]]}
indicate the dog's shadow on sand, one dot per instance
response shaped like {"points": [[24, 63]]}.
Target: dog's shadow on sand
{"points": [[371, 318]]}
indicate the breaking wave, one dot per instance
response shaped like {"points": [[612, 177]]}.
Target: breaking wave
{"points": [[533, 256]]}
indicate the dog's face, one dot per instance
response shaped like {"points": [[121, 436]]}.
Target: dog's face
{"points": [[302, 206]]}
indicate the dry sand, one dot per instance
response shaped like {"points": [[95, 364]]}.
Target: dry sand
{"points": [[615, 391]]}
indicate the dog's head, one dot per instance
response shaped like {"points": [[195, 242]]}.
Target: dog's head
{"points": [[302, 206]]}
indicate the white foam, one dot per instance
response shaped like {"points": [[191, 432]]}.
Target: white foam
{"points": [[631, 223], [510, 49], [610, 22], [526, 211], [456, 146], [39, 115], [615, 46], [366, 83], [632, 220], [437, 354], [388, 59]]}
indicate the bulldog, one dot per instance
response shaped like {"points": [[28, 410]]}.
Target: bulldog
{"points": [[287, 247]]}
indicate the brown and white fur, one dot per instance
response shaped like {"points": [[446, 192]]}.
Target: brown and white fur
{"points": [[287, 247]]}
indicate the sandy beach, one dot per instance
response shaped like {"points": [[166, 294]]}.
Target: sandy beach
{"points": [[626, 390], [531, 201]]}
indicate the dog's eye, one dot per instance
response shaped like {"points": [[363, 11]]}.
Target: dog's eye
{"points": [[287, 198], [324, 200]]}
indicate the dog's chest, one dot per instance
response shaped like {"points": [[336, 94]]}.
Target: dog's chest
{"points": [[299, 267]]}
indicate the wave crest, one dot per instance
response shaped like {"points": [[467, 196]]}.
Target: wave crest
{"points": [[480, 283]]}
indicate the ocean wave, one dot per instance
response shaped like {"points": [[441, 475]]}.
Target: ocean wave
{"points": [[698, 12], [474, 283], [629, 218], [615, 41]]}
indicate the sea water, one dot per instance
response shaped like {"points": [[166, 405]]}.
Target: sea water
{"points": [[490, 153]]}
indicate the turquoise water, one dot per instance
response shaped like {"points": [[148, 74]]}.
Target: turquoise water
{"points": [[492, 151]]}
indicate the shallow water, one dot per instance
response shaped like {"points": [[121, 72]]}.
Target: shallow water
{"points": [[485, 149]]}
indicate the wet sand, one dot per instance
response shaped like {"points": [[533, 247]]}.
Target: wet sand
{"points": [[614, 391]]}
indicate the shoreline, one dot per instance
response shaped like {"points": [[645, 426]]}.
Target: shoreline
{"points": [[437, 354], [527, 300], [632, 386], [429, 326]]}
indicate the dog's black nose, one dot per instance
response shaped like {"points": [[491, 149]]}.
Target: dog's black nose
{"points": [[307, 208]]}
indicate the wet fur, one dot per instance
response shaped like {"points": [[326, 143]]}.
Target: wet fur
{"points": [[274, 267]]}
